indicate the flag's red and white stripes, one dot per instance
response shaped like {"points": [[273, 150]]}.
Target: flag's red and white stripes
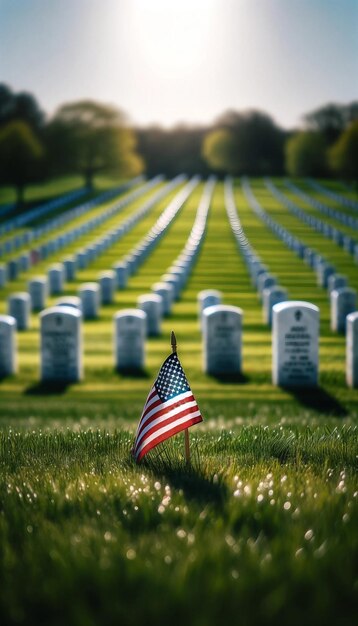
{"points": [[160, 420]]}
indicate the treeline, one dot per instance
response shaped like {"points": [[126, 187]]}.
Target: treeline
{"points": [[89, 138]]}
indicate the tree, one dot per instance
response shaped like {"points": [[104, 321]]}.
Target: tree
{"points": [[343, 156], [21, 106], [219, 150], [256, 145], [306, 154], [172, 151], [20, 156], [331, 119], [88, 138]]}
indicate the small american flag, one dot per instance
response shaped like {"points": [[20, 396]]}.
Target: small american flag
{"points": [[170, 408]]}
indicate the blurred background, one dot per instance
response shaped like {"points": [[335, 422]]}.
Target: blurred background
{"points": [[114, 88]]}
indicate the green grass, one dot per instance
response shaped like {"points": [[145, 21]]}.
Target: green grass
{"points": [[261, 527]]}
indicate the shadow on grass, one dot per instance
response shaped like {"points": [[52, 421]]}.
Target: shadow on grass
{"points": [[47, 388], [191, 480], [238, 378], [319, 400], [132, 373]]}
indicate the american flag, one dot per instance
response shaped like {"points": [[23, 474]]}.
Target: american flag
{"points": [[170, 408]]}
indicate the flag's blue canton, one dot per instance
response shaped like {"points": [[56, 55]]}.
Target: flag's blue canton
{"points": [[171, 379]]}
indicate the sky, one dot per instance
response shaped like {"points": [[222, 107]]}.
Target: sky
{"points": [[170, 61]]}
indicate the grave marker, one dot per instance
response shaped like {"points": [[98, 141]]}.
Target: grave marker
{"points": [[129, 344], [222, 339], [295, 328], [61, 345], [8, 346]]}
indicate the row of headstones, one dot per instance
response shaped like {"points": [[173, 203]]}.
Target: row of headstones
{"points": [[57, 222], [269, 292], [39, 211], [176, 277], [152, 306], [343, 299], [140, 251], [348, 243], [295, 338], [92, 295], [11, 270], [343, 218], [346, 202]]}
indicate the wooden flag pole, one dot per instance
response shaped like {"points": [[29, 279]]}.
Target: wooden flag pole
{"points": [[173, 341]]}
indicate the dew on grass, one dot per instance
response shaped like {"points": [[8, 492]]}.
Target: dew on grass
{"points": [[131, 554]]}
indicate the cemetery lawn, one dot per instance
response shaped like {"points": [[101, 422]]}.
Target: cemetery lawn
{"points": [[260, 528]]}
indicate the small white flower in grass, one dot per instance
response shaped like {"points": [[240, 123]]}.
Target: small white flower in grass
{"points": [[131, 554], [157, 486], [167, 559], [272, 501], [260, 497], [309, 534], [283, 479], [247, 490], [287, 506], [181, 533]]}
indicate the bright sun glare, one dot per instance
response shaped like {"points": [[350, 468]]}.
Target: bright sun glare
{"points": [[173, 36]]}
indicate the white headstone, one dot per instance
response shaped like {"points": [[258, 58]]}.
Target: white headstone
{"points": [[70, 267], [206, 298], [56, 278], [3, 275], [265, 281], [295, 334], [121, 272], [61, 345], [270, 297], [336, 281], [38, 290], [13, 269], [352, 350], [25, 261], [71, 301], [324, 271], [8, 346], [166, 292], [152, 305], [129, 345], [90, 294], [343, 302], [19, 307], [222, 339], [107, 281]]}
